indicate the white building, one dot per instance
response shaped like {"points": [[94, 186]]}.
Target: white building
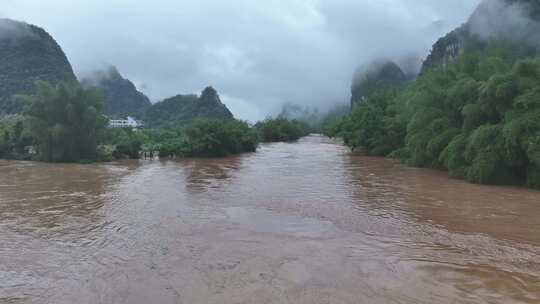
{"points": [[129, 122]]}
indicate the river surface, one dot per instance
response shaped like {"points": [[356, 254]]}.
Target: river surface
{"points": [[303, 222]]}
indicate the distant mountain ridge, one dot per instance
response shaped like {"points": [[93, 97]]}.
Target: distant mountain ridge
{"points": [[28, 54], [182, 109], [121, 97]]}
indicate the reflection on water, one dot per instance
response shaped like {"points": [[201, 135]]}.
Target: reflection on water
{"points": [[202, 174], [302, 222]]}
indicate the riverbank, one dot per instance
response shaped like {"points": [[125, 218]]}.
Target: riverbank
{"points": [[477, 118]]}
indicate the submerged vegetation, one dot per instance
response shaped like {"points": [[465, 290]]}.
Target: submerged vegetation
{"points": [[14, 138], [478, 118], [281, 129], [201, 138], [64, 123]]}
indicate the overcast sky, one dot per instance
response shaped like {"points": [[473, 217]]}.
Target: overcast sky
{"points": [[257, 54]]}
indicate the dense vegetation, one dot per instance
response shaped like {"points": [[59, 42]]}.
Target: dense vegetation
{"points": [[14, 138], [200, 138], [281, 129], [64, 121], [332, 117], [478, 118], [27, 54], [205, 137]]}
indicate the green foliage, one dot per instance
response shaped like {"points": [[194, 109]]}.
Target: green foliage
{"points": [[200, 138], [485, 153], [453, 157], [211, 138], [478, 118], [331, 119], [373, 126], [64, 121], [15, 137], [281, 129], [121, 144]]}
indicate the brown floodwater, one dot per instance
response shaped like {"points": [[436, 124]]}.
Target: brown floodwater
{"points": [[303, 222]]}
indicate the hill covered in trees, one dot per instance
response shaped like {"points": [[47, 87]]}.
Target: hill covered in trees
{"points": [[182, 109], [473, 111], [516, 21], [59, 119], [120, 96], [28, 54]]}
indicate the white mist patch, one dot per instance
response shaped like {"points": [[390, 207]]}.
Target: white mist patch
{"points": [[12, 30], [496, 18], [243, 109]]}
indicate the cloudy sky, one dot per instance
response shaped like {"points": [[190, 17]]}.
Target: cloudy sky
{"points": [[257, 54]]}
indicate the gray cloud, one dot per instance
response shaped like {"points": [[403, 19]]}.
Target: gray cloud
{"points": [[258, 54], [496, 18]]}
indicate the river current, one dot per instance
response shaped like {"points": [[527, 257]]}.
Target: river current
{"points": [[304, 222]]}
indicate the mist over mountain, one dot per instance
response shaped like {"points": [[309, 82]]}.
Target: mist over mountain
{"points": [[514, 21], [121, 97], [260, 54], [382, 74], [493, 21], [28, 54]]}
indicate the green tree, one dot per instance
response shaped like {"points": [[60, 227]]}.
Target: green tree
{"points": [[65, 121], [478, 118], [211, 138], [281, 129]]}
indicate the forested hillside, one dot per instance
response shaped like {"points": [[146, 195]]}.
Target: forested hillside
{"points": [[513, 20], [474, 110], [120, 96], [27, 54]]}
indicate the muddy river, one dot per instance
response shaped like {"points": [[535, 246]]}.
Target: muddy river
{"points": [[303, 222]]}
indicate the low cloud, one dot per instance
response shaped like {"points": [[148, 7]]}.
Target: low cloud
{"points": [[497, 18], [258, 54]]}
